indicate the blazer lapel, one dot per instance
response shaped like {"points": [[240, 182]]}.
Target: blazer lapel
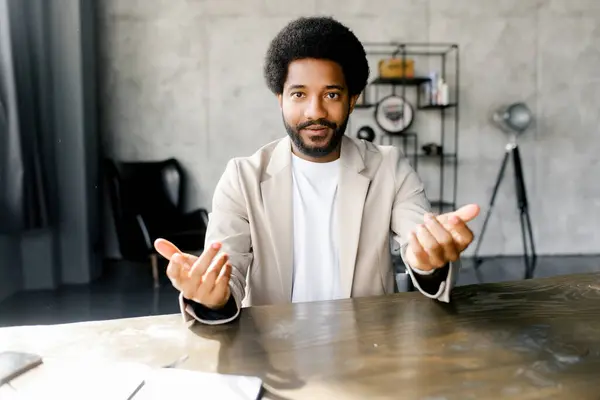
{"points": [[352, 191], [277, 202]]}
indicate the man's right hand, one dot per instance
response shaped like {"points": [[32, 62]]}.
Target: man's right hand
{"points": [[203, 279]]}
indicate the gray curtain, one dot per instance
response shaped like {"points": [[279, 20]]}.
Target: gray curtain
{"points": [[25, 110]]}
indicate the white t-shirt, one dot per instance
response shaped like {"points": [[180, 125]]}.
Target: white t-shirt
{"points": [[316, 260]]}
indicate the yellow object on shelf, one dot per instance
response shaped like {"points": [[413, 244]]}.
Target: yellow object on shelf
{"points": [[396, 68]]}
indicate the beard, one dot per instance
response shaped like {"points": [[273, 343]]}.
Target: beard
{"points": [[316, 150]]}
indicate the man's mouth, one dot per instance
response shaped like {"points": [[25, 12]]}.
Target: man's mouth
{"points": [[317, 129]]}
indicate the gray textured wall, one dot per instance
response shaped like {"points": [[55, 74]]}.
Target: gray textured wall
{"points": [[183, 78]]}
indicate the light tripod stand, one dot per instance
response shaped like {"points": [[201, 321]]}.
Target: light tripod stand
{"points": [[512, 150]]}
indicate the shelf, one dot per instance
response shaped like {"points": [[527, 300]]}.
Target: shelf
{"points": [[400, 135], [414, 81], [433, 156], [422, 156], [427, 107], [436, 106], [439, 172]]}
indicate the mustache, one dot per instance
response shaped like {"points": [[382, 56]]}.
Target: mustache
{"points": [[319, 122]]}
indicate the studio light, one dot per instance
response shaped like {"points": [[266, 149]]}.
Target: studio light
{"points": [[514, 119]]}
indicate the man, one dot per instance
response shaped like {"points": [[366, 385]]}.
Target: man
{"points": [[308, 217]]}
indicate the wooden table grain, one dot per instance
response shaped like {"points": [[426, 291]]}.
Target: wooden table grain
{"points": [[534, 339]]}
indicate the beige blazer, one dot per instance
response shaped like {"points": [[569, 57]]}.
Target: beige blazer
{"points": [[379, 195]]}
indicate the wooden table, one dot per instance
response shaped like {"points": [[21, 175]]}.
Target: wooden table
{"points": [[523, 340]]}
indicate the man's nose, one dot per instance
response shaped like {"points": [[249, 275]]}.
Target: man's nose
{"points": [[315, 110]]}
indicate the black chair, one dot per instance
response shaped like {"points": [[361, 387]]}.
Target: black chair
{"points": [[147, 200]]}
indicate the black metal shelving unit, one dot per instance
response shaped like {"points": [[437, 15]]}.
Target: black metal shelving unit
{"points": [[444, 54]]}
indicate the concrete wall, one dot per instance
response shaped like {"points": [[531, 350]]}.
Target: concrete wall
{"points": [[184, 78]]}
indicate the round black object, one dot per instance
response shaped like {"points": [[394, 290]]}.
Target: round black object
{"points": [[367, 133]]}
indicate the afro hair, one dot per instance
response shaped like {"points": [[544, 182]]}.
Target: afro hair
{"points": [[319, 38]]}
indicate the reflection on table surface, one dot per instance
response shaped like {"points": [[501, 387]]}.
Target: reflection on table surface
{"points": [[529, 339]]}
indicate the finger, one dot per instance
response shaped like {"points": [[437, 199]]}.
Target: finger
{"points": [[204, 261], [434, 251], [442, 236], [182, 281], [421, 257], [463, 236], [223, 278], [177, 267], [208, 279], [465, 213], [174, 270], [221, 292], [168, 250], [165, 248], [190, 259]]}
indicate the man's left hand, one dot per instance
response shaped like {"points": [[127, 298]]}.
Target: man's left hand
{"points": [[440, 239]]}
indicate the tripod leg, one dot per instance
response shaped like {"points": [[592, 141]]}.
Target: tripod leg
{"points": [[531, 245], [519, 181], [525, 252], [528, 242], [524, 214], [489, 211]]}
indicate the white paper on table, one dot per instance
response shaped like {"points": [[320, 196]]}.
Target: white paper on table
{"points": [[117, 380], [180, 383], [80, 380]]}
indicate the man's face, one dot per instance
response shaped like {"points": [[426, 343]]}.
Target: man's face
{"points": [[316, 105]]}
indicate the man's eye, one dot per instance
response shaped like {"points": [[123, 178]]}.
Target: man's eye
{"points": [[333, 95], [297, 94]]}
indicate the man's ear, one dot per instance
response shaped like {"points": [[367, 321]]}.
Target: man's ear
{"points": [[280, 100]]}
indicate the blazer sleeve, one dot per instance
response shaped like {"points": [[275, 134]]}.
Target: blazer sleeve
{"points": [[408, 210], [228, 224]]}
